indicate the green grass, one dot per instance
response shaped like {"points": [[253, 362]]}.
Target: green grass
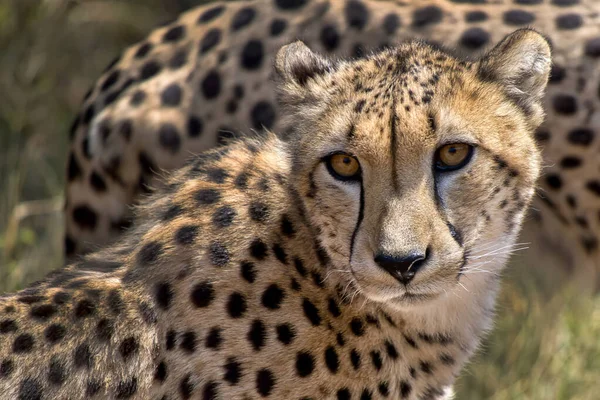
{"points": [[545, 344]]}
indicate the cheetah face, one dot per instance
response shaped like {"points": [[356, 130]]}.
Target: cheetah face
{"points": [[416, 168]]}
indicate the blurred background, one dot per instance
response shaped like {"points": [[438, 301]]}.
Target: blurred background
{"points": [[546, 340]]}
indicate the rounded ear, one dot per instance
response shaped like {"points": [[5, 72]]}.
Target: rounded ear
{"points": [[521, 63], [296, 63]]}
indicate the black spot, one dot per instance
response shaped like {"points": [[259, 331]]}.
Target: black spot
{"points": [[241, 181], [557, 73], [115, 302], [171, 95], [164, 295], [446, 359], [366, 395], [210, 14], [236, 305], [161, 372], [581, 136], [252, 54], [219, 255], [474, 38], [258, 249], [137, 98], [128, 347], [207, 196], [259, 211], [344, 394], [186, 387], [272, 297], [55, 333], [330, 37], [85, 217], [357, 15], [263, 115], [594, 187], [210, 40], [149, 253], [171, 337], [285, 333], [105, 329], [148, 313], [93, 386], [43, 312], [73, 168], [126, 389], [169, 138], [570, 162], [476, 16], [179, 59], [248, 272], [97, 182], [194, 127], [8, 326], [518, 17], [84, 309], [311, 312], [592, 47], [214, 339], [265, 380], [242, 18], [149, 69], [564, 104], [188, 342], [569, 21], [202, 294], [30, 389], [216, 175], [405, 389], [23, 343], [290, 4], [332, 360], [299, 265], [426, 367], [210, 391], [6, 368], [357, 326], [56, 372], [554, 181], [391, 23], [280, 253], [376, 360], [186, 235], [334, 308], [257, 335], [233, 371], [110, 80], [211, 85], [383, 388], [277, 27], [427, 16], [143, 50], [305, 364], [223, 216], [82, 356], [174, 34]]}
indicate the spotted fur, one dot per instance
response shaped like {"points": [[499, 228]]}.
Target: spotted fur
{"points": [[193, 84], [253, 271]]}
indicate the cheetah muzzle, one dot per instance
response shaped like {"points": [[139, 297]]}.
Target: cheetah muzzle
{"points": [[343, 262]]}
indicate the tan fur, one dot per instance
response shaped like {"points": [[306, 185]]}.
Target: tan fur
{"points": [[566, 208], [252, 271]]}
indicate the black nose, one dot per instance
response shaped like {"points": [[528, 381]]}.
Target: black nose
{"points": [[402, 267]]}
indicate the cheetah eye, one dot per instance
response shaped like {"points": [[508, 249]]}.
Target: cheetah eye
{"points": [[343, 167], [451, 157]]}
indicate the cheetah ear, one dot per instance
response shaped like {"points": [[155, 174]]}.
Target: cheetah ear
{"points": [[521, 62], [296, 64]]}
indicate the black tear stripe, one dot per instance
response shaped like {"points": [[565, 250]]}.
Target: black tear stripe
{"points": [[393, 143], [456, 235], [359, 219]]}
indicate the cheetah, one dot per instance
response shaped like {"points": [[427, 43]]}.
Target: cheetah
{"points": [[194, 83], [339, 263]]}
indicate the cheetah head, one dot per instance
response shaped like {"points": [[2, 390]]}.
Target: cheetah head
{"points": [[415, 168]]}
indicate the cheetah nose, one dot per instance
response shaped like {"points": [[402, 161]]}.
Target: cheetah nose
{"points": [[402, 267]]}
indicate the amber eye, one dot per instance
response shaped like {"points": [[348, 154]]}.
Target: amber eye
{"points": [[453, 156], [343, 167]]}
